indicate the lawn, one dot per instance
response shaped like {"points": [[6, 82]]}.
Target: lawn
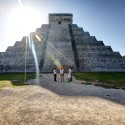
{"points": [[116, 79], [14, 79]]}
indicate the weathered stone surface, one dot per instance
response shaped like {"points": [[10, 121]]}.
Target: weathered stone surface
{"points": [[64, 43], [57, 18]]}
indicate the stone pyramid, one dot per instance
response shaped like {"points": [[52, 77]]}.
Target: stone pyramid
{"points": [[60, 43]]}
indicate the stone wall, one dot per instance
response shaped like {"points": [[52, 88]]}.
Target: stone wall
{"points": [[93, 55]]}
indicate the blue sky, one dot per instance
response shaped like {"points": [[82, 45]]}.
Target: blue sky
{"points": [[104, 19]]}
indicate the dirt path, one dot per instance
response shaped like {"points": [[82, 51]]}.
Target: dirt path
{"points": [[56, 103]]}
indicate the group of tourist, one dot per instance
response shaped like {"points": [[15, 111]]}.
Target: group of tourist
{"points": [[61, 71]]}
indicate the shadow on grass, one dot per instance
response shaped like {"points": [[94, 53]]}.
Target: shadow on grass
{"points": [[107, 86], [18, 83], [103, 85]]}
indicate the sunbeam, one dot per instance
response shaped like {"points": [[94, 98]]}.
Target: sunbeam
{"points": [[20, 3], [25, 60], [35, 58]]}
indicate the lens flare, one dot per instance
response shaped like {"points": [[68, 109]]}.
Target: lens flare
{"points": [[56, 61], [38, 38]]}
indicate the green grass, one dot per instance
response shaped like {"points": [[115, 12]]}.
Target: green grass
{"points": [[16, 76], [5, 83], [14, 79], [116, 78]]}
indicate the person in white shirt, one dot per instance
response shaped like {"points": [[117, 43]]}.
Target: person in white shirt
{"points": [[55, 74], [69, 77], [69, 74]]}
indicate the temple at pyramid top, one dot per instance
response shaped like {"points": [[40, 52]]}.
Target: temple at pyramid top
{"points": [[60, 18]]}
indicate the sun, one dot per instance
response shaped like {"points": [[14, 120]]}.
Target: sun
{"points": [[23, 20]]}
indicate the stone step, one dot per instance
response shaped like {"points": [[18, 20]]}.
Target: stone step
{"points": [[100, 55], [94, 49], [87, 43]]}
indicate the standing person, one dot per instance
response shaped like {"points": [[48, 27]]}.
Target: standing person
{"points": [[69, 77], [62, 74], [55, 74], [69, 74]]}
